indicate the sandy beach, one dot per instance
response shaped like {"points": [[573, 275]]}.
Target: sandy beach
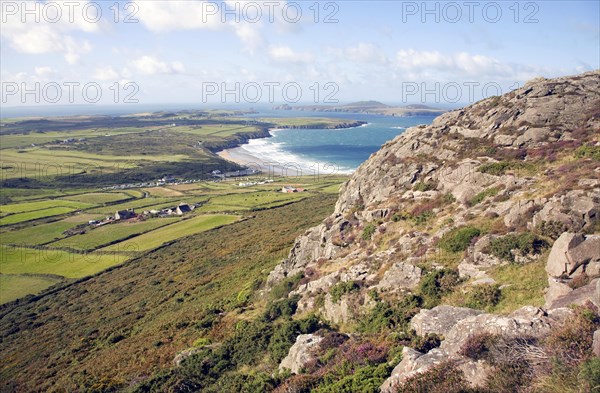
{"points": [[271, 168]]}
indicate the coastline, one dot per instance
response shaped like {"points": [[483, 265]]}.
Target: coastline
{"points": [[237, 154]]}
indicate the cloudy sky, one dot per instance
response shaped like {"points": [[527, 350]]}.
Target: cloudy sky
{"points": [[247, 51]]}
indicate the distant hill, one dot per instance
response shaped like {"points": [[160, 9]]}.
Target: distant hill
{"points": [[371, 106]]}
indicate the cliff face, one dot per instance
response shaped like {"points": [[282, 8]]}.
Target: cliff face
{"points": [[493, 184]]}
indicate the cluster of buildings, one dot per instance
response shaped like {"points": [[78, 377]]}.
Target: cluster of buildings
{"points": [[244, 172], [120, 215], [290, 189], [255, 183]]}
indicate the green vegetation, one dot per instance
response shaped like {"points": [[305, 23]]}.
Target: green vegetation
{"points": [[111, 233], [483, 297], [13, 287], [172, 232], [525, 243], [524, 285], [368, 232], [35, 235], [458, 239], [483, 195], [34, 215], [41, 205], [160, 304], [342, 288], [592, 152], [436, 284], [19, 260]]}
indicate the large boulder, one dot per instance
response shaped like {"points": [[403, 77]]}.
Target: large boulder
{"points": [[571, 251], [301, 353], [400, 276], [439, 320], [579, 296]]}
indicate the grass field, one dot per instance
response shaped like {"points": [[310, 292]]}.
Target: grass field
{"points": [[19, 260], [34, 215], [171, 232], [31, 206], [111, 233], [98, 197], [34, 235], [16, 286]]}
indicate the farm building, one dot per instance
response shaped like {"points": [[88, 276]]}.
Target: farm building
{"points": [[125, 214], [183, 208]]}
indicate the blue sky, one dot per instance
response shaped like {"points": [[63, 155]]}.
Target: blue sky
{"points": [[192, 51]]}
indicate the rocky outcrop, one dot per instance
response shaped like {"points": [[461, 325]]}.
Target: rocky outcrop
{"points": [[527, 321], [400, 276], [520, 164], [573, 253], [301, 353], [440, 320]]}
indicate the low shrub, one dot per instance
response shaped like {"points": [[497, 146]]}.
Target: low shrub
{"points": [[342, 288], [387, 317], [592, 152], [446, 377], [483, 297], [458, 239], [526, 243], [425, 186], [281, 308], [436, 284], [482, 195], [368, 232]]}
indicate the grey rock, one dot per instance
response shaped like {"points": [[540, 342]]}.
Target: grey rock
{"points": [[596, 345], [301, 353], [400, 276], [570, 251], [439, 320], [580, 296]]}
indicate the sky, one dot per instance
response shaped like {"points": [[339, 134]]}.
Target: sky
{"points": [[271, 52]]}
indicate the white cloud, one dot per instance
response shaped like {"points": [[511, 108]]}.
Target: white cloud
{"points": [[366, 52], [44, 32], [149, 65], [160, 16], [106, 73], [458, 65], [285, 54]]}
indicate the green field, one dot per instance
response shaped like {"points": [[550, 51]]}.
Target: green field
{"points": [[16, 286], [34, 235], [110, 233], [31, 206], [98, 197], [34, 215], [171, 232], [19, 260]]}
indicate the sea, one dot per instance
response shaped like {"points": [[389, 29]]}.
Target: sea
{"points": [[311, 150], [327, 151]]}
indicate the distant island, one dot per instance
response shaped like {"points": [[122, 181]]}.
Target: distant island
{"points": [[370, 107]]}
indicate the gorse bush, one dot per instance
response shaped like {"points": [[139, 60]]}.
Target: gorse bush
{"points": [[525, 243], [281, 308], [342, 288], [592, 152], [387, 317], [368, 232], [483, 297], [458, 239], [482, 195], [436, 284], [446, 377]]}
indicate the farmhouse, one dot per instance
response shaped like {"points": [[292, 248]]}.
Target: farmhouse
{"points": [[125, 214], [183, 208]]}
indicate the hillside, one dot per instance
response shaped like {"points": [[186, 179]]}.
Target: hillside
{"points": [[463, 256], [488, 221]]}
